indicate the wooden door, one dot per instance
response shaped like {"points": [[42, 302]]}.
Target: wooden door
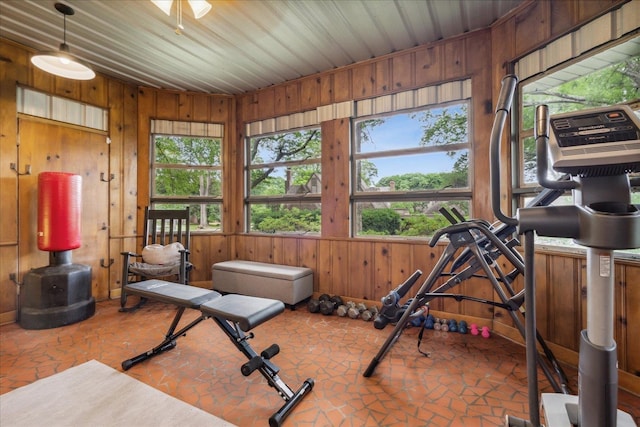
{"points": [[51, 147]]}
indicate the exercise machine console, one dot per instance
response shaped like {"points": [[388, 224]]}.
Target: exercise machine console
{"points": [[599, 149]]}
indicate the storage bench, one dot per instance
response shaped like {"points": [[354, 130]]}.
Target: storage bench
{"points": [[282, 282]]}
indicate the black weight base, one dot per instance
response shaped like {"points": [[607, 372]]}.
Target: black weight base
{"points": [[47, 318], [56, 295]]}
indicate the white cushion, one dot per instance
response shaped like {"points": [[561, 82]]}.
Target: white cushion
{"points": [[162, 255]]}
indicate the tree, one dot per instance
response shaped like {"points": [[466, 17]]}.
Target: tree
{"points": [[172, 178], [422, 225], [274, 219], [298, 145], [445, 126], [380, 221]]}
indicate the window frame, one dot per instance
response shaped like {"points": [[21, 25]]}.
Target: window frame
{"points": [[279, 199], [155, 200], [521, 189], [445, 195]]}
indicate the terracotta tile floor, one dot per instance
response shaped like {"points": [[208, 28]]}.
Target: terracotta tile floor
{"points": [[467, 381]]}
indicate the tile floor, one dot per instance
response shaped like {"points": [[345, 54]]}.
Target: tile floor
{"points": [[467, 380]]}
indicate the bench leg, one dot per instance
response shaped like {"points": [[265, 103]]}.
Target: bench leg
{"points": [[168, 343], [268, 370]]}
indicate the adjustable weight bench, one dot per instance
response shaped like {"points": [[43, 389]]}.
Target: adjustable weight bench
{"points": [[235, 315]]}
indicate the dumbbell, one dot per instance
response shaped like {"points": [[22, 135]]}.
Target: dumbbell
{"points": [[429, 322], [462, 327], [355, 310], [343, 309], [436, 324], [441, 325], [313, 305], [327, 306], [485, 332], [453, 325], [369, 313]]}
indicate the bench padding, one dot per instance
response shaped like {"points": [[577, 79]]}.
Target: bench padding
{"points": [[172, 293], [286, 283], [247, 311]]}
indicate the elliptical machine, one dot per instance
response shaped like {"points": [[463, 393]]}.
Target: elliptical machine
{"points": [[598, 149]]}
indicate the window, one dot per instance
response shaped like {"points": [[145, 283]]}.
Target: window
{"points": [[406, 166], [606, 78], [39, 104], [283, 178], [187, 171]]}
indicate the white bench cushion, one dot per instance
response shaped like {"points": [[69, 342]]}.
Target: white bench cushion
{"points": [[282, 282]]}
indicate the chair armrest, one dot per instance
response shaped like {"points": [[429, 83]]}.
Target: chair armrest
{"points": [[131, 254]]}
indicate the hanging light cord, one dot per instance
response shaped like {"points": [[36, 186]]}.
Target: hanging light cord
{"points": [[179, 27]]}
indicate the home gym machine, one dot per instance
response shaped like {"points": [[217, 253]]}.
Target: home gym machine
{"points": [[473, 250], [598, 148]]}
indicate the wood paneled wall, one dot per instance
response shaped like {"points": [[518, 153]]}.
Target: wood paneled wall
{"points": [[368, 268], [120, 100], [356, 268], [173, 105]]}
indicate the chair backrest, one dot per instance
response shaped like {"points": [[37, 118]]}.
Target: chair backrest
{"points": [[164, 226]]}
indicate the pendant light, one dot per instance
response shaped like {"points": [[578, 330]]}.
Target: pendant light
{"points": [[62, 63]]}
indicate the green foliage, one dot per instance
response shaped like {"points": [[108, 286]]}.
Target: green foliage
{"points": [[276, 219], [269, 186], [422, 225], [172, 151], [612, 85], [444, 126], [426, 181], [302, 174], [368, 171], [187, 150], [213, 212], [381, 221], [417, 218]]}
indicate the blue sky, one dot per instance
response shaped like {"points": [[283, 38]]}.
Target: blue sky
{"points": [[400, 131]]}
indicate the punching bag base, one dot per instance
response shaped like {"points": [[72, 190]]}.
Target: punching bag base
{"points": [[56, 295], [54, 317]]}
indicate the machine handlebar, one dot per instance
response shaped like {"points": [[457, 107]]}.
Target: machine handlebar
{"points": [[505, 99], [541, 134]]}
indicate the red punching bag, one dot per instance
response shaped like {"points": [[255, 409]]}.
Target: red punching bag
{"points": [[59, 206]]}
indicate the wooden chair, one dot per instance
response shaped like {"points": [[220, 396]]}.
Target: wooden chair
{"points": [[164, 231]]}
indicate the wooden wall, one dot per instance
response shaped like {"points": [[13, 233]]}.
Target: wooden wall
{"points": [[366, 268], [172, 105], [120, 100], [356, 268]]}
